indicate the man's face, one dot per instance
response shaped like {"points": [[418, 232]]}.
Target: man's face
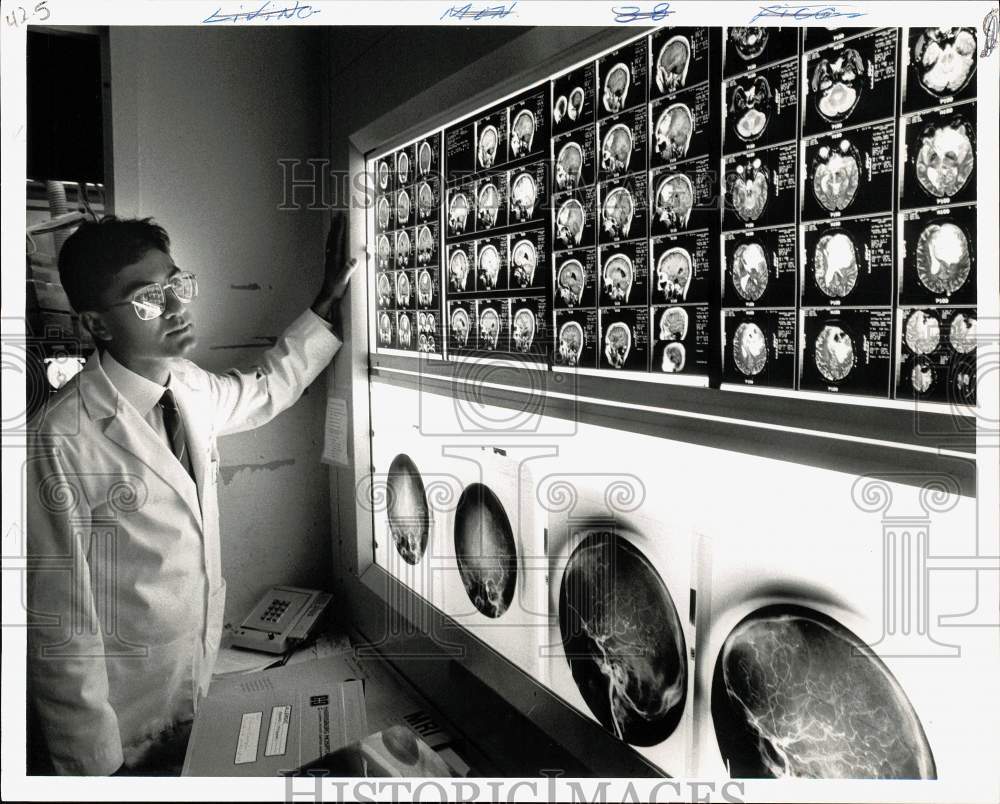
{"points": [[129, 338]]}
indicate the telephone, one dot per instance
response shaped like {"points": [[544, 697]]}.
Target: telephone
{"points": [[284, 617]]}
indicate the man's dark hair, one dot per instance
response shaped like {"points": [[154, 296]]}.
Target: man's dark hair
{"points": [[96, 252]]}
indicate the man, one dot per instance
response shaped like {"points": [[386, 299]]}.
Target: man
{"points": [[126, 596]]}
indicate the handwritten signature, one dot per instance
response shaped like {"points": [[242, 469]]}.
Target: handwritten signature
{"points": [[809, 11], [989, 33], [627, 14], [467, 12], [299, 11]]}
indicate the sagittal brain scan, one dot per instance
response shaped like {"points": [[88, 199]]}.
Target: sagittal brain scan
{"points": [[569, 166], [489, 328], [749, 189], [751, 107], [835, 264], [945, 157], [942, 258], [616, 87], [486, 153], [623, 638], [458, 213], [458, 271], [425, 288], [405, 331], [523, 196], [402, 289], [749, 43], [384, 290], [403, 248], [616, 150], [749, 271], [834, 353], [945, 59], [384, 330], [617, 344], [836, 174], [425, 201], [485, 550], [674, 358], [673, 273], [425, 246], [522, 133], [619, 209], [618, 276], [489, 205], [460, 327], [570, 343], [559, 109], [672, 64], [575, 105], [424, 157], [962, 332], [571, 282], [674, 324], [837, 85], [403, 167], [570, 221], [673, 131], [524, 328], [749, 349], [793, 696], [674, 200], [489, 267], [922, 332], [524, 259]]}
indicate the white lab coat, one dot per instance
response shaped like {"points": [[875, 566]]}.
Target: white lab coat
{"points": [[126, 595]]}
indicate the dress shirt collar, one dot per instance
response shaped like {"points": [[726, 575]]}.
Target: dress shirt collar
{"points": [[142, 393]]}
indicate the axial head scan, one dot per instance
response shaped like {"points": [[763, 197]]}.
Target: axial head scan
{"points": [[616, 150], [673, 273], [672, 64], [616, 86], [835, 264], [921, 376], [674, 200], [569, 166], [946, 157], [836, 175], [749, 271], [962, 333], [673, 131], [618, 276], [749, 42], [570, 280], [749, 349], [524, 258], [617, 344], [837, 85], [750, 189], [945, 59], [922, 332], [750, 108], [834, 353], [522, 133], [524, 330], [570, 221], [943, 259]]}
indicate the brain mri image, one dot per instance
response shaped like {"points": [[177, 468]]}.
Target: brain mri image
{"points": [[674, 200], [486, 152], [749, 349], [569, 166], [489, 205], [524, 330], [623, 638], [793, 696], [385, 330], [522, 133], [945, 59], [382, 213], [837, 85], [962, 332], [922, 332], [384, 290], [489, 328], [836, 175], [458, 213], [458, 270], [945, 157], [425, 246], [571, 282], [575, 107], [425, 201], [460, 326], [616, 150], [403, 248], [963, 377], [618, 276], [942, 258], [673, 131], [749, 271], [403, 167], [570, 343], [403, 206], [616, 87], [674, 324], [405, 331], [485, 550], [524, 258], [834, 353], [559, 109], [835, 264], [749, 43], [674, 358], [750, 188], [617, 344], [673, 273], [383, 174], [424, 157], [618, 212], [425, 289], [523, 195], [569, 223], [672, 64], [383, 249], [922, 376], [750, 108], [402, 289], [489, 267]]}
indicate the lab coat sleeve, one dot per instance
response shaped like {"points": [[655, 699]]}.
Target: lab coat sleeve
{"points": [[248, 399], [67, 675]]}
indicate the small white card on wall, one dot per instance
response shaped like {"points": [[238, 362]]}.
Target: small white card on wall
{"points": [[335, 433]]}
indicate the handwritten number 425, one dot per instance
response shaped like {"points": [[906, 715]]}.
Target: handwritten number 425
{"points": [[21, 15]]}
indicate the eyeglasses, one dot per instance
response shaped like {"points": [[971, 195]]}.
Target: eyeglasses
{"points": [[150, 302]]}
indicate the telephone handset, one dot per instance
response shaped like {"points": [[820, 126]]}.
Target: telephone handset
{"points": [[284, 617]]}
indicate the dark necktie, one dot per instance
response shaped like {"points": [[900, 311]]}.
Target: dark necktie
{"points": [[175, 430]]}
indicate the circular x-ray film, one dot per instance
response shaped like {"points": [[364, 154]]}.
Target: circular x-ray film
{"points": [[485, 550], [410, 517]]}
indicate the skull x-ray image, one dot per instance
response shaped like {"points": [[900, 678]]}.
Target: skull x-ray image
{"points": [[618, 212], [382, 213], [835, 264], [384, 330], [616, 150], [489, 205], [425, 201], [833, 352], [458, 270], [674, 358], [403, 167], [486, 152], [524, 329], [489, 328], [383, 249], [403, 248], [524, 259], [673, 131], [425, 245], [485, 550], [458, 213], [402, 289], [618, 277], [750, 108], [403, 207], [617, 344], [522, 133], [559, 109], [836, 175], [425, 288], [922, 332], [489, 267], [424, 158], [384, 290], [616, 86], [405, 331], [672, 64], [570, 281], [749, 349], [460, 327], [749, 189], [749, 271], [748, 42], [837, 85], [942, 258], [383, 174], [673, 324], [570, 221], [673, 273], [946, 157], [962, 332], [523, 196], [569, 166], [570, 343], [921, 376], [575, 106], [674, 200], [945, 59]]}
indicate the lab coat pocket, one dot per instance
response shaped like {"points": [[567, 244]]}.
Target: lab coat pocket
{"points": [[213, 635]]}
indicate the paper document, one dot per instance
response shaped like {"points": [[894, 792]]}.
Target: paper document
{"points": [[335, 432]]}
